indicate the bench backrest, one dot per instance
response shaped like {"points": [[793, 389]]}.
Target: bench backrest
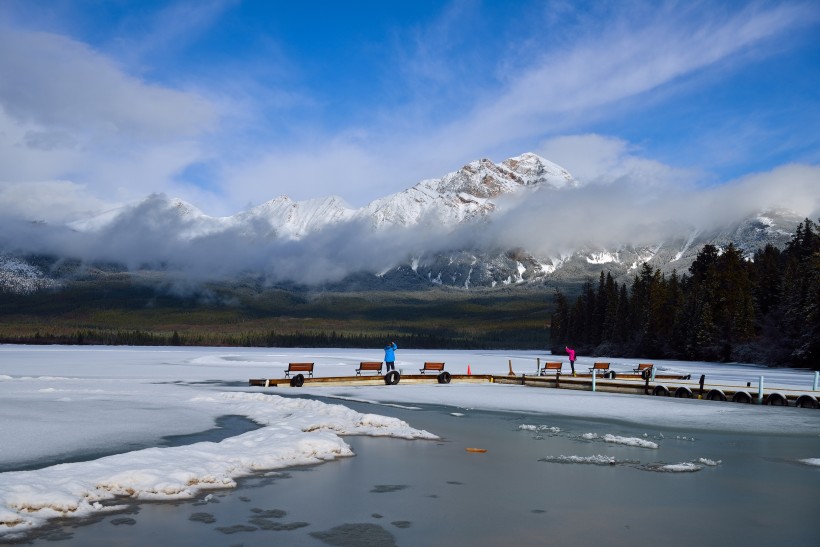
{"points": [[553, 365], [300, 367], [601, 366], [644, 366], [433, 366], [370, 365]]}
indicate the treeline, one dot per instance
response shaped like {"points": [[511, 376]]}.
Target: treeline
{"points": [[724, 308], [435, 339]]}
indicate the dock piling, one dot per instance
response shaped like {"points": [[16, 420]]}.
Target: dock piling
{"points": [[760, 391], [816, 375], [593, 380]]}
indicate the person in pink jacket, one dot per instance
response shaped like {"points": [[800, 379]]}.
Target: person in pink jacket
{"points": [[571, 353]]}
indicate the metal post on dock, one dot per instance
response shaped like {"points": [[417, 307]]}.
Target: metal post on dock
{"points": [[816, 375], [538, 365], [593, 380], [760, 391]]}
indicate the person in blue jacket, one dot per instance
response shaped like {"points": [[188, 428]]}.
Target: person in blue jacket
{"points": [[390, 356]]}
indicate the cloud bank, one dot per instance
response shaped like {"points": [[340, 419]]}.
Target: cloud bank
{"points": [[626, 200]]}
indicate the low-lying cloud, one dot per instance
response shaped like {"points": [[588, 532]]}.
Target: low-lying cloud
{"points": [[630, 212], [547, 223]]}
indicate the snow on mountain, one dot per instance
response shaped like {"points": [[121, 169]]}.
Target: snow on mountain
{"points": [[466, 193], [472, 192], [602, 257], [20, 277], [295, 219], [157, 210]]}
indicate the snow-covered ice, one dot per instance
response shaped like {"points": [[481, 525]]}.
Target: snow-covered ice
{"points": [[93, 405], [629, 441]]}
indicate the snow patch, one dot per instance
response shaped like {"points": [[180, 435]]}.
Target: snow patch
{"points": [[600, 459], [603, 257], [629, 441], [683, 467], [539, 428], [295, 432], [20, 277]]}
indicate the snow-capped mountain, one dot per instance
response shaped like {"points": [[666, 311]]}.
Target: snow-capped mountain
{"points": [[188, 221], [462, 195], [468, 193], [171, 234], [294, 219]]}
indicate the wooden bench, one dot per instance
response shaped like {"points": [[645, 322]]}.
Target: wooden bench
{"points": [[642, 367], [600, 368], [369, 365], [299, 367], [554, 366], [432, 366]]}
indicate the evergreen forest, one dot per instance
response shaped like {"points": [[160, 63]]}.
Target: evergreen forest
{"points": [[765, 309]]}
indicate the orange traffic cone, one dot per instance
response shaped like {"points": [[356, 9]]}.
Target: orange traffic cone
{"points": [[468, 370]]}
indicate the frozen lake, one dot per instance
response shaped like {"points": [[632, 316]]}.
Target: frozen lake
{"points": [[565, 465]]}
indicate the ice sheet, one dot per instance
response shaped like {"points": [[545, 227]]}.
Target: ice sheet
{"points": [[59, 401]]}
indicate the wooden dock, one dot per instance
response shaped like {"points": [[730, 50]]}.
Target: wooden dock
{"points": [[375, 380], [674, 386]]}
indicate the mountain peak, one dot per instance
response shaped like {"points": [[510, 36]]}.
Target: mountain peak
{"points": [[536, 170], [466, 193]]}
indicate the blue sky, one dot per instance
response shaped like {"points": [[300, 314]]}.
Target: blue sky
{"points": [[230, 103]]}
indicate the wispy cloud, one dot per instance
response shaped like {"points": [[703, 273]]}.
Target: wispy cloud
{"points": [[57, 82], [628, 59], [119, 120], [607, 72]]}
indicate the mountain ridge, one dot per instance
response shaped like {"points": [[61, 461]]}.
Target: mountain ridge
{"points": [[438, 225]]}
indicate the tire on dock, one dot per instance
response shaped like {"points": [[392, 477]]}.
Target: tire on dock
{"points": [[777, 399], [806, 401], [444, 377], [683, 392], [660, 391], [392, 378], [297, 381], [716, 395], [742, 397]]}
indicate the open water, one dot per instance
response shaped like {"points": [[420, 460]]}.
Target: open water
{"points": [[522, 491]]}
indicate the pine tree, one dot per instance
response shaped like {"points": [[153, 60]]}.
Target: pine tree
{"points": [[559, 323]]}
